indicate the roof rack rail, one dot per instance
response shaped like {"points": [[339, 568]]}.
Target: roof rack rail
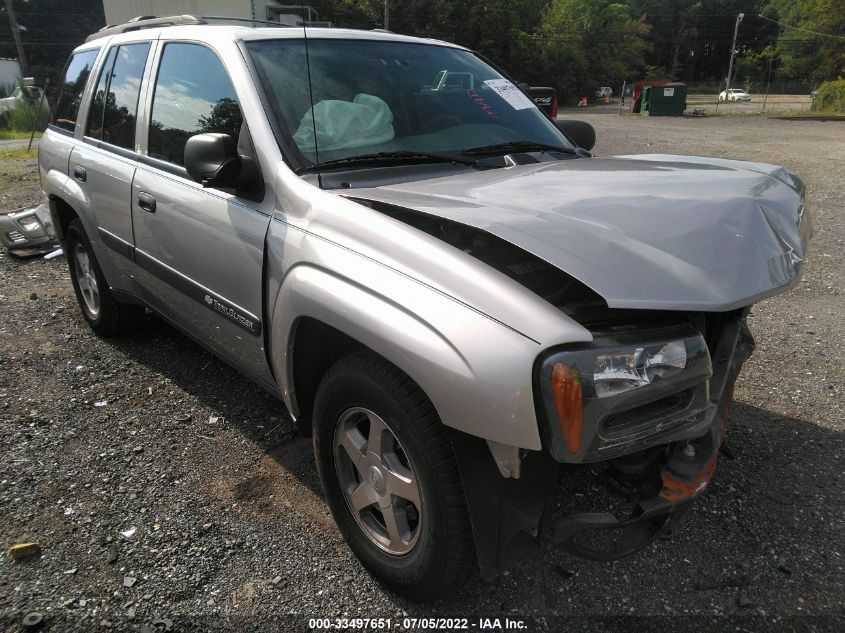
{"points": [[249, 20], [151, 22], [144, 22]]}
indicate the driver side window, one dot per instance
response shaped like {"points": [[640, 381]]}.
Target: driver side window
{"points": [[187, 102]]}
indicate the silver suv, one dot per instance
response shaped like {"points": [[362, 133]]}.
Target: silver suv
{"points": [[442, 284]]}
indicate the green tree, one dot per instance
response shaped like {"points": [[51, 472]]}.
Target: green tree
{"points": [[583, 44], [815, 48], [675, 24]]}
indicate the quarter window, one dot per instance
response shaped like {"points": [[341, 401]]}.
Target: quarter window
{"points": [[76, 76], [115, 104], [185, 103]]}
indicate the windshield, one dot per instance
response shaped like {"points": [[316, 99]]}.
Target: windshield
{"points": [[368, 97]]}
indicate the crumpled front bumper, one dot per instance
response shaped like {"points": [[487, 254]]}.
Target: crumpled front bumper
{"points": [[672, 477], [28, 232]]}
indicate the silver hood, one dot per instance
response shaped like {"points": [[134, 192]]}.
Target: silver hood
{"points": [[648, 231]]}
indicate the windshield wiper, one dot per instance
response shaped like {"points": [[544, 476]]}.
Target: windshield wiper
{"points": [[521, 146], [398, 157]]}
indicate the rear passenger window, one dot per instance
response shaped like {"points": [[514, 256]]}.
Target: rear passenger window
{"points": [[70, 95], [193, 95], [94, 129], [115, 104]]}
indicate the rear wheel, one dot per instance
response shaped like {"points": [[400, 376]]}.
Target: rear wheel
{"points": [[105, 315], [390, 478]]}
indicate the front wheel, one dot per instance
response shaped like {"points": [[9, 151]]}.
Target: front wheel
{"points": [[390, 478]]}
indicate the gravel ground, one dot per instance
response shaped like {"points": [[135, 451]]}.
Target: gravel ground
{"points": [[153, 435], [19, 184]]}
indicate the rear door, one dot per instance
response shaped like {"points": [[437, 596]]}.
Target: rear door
{"points": [[200, 252], [105, 162]]}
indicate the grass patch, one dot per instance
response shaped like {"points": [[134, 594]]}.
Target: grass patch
{"points": [[830, 97], [17, 152], [12, 134]]}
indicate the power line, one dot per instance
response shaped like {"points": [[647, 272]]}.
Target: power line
{"points": [[798, 28]]}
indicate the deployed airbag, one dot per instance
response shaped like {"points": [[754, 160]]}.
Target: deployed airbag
{"points": [[340, 125]]}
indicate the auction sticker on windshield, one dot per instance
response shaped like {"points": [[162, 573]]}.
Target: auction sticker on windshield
{"points": [[510, 93]]}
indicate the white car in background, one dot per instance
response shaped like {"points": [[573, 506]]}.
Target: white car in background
{"points": [[32, 95], [734, 94]]}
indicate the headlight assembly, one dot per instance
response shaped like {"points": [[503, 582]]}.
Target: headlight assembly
{"points": [[617, 372], [600, 394]]}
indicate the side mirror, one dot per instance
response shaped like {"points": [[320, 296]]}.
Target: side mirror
{"points": [[213, 160], [579, 132]]}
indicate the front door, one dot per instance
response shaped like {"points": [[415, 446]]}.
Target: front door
{"points": [[199, 252]]}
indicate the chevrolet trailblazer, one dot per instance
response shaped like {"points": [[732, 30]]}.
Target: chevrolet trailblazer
{"points": [[445, 288]]}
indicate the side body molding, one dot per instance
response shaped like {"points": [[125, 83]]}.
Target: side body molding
{"points": [[455, 354]]}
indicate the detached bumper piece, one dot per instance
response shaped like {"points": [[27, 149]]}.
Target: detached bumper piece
{"points": [[28, 233], [662, 480]]}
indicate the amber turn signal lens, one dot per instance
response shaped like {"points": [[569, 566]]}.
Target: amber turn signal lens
{"points": [[569, 402]]}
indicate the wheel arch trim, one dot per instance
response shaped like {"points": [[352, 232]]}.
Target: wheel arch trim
{"points": [[448, 350]]}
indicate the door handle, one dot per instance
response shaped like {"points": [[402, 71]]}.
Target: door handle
{"points": [[79, 173], [146, 202]]}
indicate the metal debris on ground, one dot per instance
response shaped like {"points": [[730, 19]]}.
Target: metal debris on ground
{"points": [[22, 551], [33, 621], [128, 534], [28, 232]]}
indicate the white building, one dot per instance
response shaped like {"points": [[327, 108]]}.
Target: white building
{"points": [[10, 72], [120, 11]]}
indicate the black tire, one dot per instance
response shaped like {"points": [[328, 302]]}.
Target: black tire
{"points": [[112, 318], [443, 557]]}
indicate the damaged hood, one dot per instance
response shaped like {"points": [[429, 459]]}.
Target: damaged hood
{"points": [[648, 231]]}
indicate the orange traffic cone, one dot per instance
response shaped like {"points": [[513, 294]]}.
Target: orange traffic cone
{"points": [[606, 98], [583, 102]]}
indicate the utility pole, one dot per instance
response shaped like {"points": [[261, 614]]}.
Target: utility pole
{"points": [[733, 51], [16, 33], [386, 15]]}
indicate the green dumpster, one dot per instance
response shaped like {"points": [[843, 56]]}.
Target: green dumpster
{"points": [[666, 100]]}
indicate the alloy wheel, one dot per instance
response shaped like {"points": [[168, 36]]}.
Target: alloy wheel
{"points": [[378, 481], [87, 280]]}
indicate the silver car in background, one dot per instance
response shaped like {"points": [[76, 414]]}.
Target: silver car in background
{"points": [[442, 284]]}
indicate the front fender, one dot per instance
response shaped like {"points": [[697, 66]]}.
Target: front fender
{"points": [[475, 370]]}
